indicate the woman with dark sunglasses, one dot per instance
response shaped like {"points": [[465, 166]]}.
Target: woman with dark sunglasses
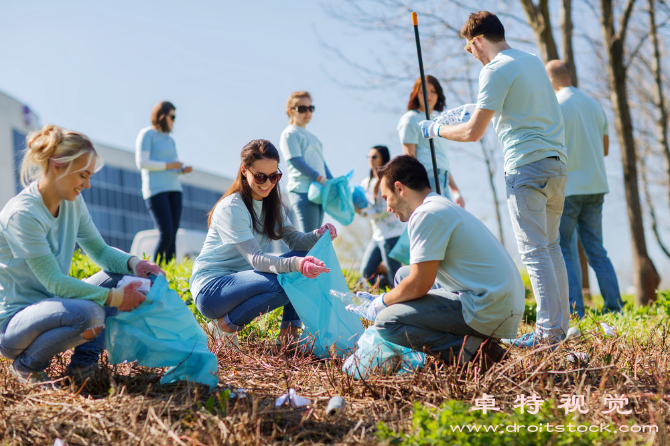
{"points": [[233, 280], [414, 144], [386, 227], [304, 154], [156, 157]]}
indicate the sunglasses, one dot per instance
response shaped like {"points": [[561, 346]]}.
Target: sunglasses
{"points": [[373, 157], [467, 46], [261, 178], [305, 108], [172, 116]]}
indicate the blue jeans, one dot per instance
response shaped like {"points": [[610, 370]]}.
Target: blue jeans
{"points": [[434, 321], [375, 253], [309, 215], [584, 212], [241, 297], [443, 178], [39, 332], [165, 210], [535, 196]]}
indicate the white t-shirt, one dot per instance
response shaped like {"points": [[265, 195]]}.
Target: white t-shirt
{"points": [[28, 231], [527, 119], [296, 141], [585, 127], [410, 133], [385, 225], [231, 224], [473, 264]]}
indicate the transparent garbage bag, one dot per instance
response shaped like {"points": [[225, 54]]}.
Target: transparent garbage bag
{"points": [[162, 332], [375, 355], [324, 317]]}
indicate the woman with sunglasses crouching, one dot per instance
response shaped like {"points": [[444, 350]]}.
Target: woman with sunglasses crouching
{"points": [[304, 154], [44, 311], [233, 280]]}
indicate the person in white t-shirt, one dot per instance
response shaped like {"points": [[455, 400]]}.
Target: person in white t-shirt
{"points": [[386, 228], [234, 280], [461, 292]]}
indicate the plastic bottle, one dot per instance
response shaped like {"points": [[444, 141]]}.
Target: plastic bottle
{"points": [[459, 114], [350, 298]]}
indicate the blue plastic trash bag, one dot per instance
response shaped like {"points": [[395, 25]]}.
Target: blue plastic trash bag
{"points": [[358, 197], [400, 251], [376, 354], [337, 199], [315, 192], [324, 316], [162, 332]]}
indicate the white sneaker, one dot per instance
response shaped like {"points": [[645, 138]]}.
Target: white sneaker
{"points": [[220, 335]]}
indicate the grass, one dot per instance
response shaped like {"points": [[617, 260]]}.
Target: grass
{"points": [[129, 406]]}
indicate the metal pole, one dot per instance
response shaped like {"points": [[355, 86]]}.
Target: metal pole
{"points": [[415, 22]]}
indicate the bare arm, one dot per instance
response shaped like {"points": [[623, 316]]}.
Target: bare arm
{"points": [[420, 280], [409, 149], [459, 198], [606, 144], [471, 131]]}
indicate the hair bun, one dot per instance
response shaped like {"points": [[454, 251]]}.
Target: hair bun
{"points": [[43, 143]]}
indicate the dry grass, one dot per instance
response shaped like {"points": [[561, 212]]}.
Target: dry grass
{"points": [[130, 407]]}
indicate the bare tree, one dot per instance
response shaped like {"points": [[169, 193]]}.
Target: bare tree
{"points": [[646, 277], [540, 20]]}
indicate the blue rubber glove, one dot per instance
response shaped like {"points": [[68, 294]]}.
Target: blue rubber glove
{"points": [[430, 129]]}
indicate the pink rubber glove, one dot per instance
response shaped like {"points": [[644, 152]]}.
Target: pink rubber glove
{"points": [[327, 227], [143, 268], [126, 298], [311, 267]]}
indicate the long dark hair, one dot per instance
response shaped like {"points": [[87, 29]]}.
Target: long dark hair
{"points": [[386, 157], [159, 116], [413, 103], [271, 226]]}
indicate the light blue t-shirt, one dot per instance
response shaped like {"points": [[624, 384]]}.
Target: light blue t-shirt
{"points": [[527, 119], [410, 133], [231, 224], [585, 127], [161, 147], [27, 231], [473, 264], [296, 141]]}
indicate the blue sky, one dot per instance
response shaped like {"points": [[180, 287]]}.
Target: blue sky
{"points": [[228, 67]]}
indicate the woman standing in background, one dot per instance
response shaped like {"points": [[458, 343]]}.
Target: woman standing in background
{"points": [[415, 145], [304, 154], [386, 227], [156, 157]]}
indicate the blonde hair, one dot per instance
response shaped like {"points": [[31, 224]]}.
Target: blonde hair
{"points": [[293, 101], [57, 145]]}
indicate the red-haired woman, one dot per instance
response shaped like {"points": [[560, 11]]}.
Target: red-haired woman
{"points": [[414, 144], [233, 280]]}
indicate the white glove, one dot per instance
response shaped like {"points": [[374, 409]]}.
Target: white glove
{"points": [[372, 304], [430, 129], [376, 306]]}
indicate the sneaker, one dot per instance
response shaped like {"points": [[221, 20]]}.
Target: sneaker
{"points": [[41, 377], [220, 335], [83, 372], [531, 340]]}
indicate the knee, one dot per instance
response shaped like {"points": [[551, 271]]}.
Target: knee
{"points": [[92, 320], [401, 274]]}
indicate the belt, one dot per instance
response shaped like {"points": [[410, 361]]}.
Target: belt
{"points": [[553, 157]]}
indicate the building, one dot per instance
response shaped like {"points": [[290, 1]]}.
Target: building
{"points": [[115, 198]]}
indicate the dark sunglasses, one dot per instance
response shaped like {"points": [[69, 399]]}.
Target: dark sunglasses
{"points": [[373, 157], [305, 108], [261, 178], [173, 117]]}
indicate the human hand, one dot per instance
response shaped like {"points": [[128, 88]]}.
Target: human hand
{"points": [[370, 306], [458, 198], [126, 298], [430, 129], [325, 228], [186, 169], [174, 165], [311, 267], [321, 180], [375, 307], [144, 268]]}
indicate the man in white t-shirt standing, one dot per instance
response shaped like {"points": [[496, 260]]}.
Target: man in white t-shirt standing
{"points": [[587, 142], [462, 289], [516, 96]]}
